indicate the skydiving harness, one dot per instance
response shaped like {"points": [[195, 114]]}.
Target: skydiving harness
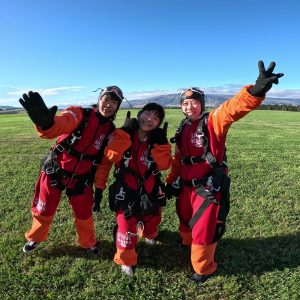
{"points": [[121, 196], [217, 181], [56, 174]]}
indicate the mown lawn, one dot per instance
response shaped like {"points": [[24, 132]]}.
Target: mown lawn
{"points": [[259, 256]]}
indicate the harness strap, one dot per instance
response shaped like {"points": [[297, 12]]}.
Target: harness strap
{"points": [[82, 156], [84, 180], [143, 200], [191, 160], [195, 182], [208, 199], [69, 142]]}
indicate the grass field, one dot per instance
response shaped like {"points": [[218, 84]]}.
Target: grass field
{"points": [[259, 255]]}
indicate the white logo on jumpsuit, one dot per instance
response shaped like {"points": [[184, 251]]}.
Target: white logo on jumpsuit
{"points": [[197, 140], [123, 239], [40, 205], [144, 158], [98, 142]]}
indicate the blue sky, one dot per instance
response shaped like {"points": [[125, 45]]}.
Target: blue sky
{"points": [[66, 49]]}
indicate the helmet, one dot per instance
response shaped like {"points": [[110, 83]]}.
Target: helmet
{"points": [[114, 91], [194, 93]]}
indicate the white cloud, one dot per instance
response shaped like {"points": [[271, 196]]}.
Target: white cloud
{"points": [[137, 95], [47, 91], [8, 101]]}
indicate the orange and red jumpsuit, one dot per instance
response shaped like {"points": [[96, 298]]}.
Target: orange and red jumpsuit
{"points": [[201, 237], [126, 237], [47, 195]]}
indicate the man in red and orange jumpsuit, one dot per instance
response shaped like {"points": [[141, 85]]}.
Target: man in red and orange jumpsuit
{"points": [[198, 168], [73, 163]]}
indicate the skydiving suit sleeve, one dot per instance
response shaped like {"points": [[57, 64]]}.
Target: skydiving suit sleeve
{"points": [[65, 123], [102, 173], [175, 167], [118, 143], [162, 156], [232, 110]]}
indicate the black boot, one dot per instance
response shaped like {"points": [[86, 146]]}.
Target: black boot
{"points": [[198, 278]]}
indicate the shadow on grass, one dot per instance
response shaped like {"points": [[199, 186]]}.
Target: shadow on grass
{"points": [[234, 256], [258, 255], [106, 251]]}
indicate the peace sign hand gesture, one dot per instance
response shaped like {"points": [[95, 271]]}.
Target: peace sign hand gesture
{"points": [[265, 79]]}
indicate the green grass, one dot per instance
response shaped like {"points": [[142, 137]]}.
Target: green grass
{"points": [[259, 256]]}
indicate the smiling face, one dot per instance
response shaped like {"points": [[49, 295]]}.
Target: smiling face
{"points": [[148, 120], [107, 106], [191, 108]]}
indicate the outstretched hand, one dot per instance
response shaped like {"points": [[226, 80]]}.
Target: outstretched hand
{"points": [[265, 79], [130, 124], [37, 110]]}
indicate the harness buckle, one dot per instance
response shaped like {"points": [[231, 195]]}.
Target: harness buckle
{"points": [[87, 183], [53, 182], [60, 148], [74, 138], [49, 170], [194, 182], [176, 184], [161, 194], [148, 162], [126, 160], [121, 195], [192, 160], [155, 172], [95, 162]]}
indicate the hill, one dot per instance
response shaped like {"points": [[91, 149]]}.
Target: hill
{"points": [[212, 100], [172, 100]]}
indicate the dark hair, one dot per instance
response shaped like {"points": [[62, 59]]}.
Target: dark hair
{"points": [[154, 107]]}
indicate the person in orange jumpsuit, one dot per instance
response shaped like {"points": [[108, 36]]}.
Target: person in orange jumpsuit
{"points": [[73, 163], [198, 176], [140, 150]]}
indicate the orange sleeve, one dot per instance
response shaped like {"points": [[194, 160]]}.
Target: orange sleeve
{"points": [[175, 167], [65, 123], [102, 173], [119, 142], [232, 110], [162, 156]]}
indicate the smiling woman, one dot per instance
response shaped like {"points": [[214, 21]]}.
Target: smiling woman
{"points": [[140, 150], [72, 164]]}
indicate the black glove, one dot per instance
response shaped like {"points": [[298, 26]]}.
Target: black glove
{"points": [[171, 191], [37, 110], [159, 135], [265, 79], [98, 194], [130, 124]]}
